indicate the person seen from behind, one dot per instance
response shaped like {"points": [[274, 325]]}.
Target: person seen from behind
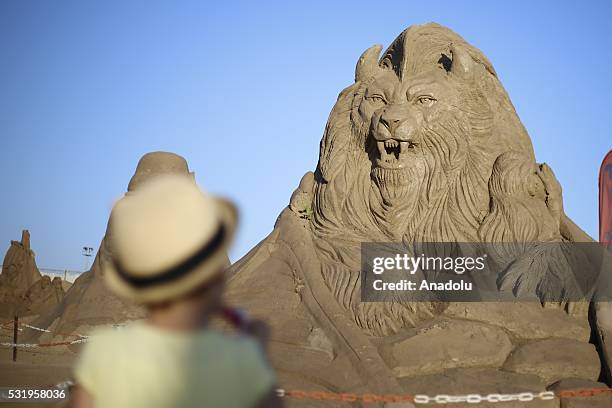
{"points": [[169, 251]]}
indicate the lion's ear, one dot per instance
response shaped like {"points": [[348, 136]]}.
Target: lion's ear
{"points": [[368, 63], [462, 64]]}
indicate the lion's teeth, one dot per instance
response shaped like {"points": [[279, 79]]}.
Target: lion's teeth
{"points": [[404, 146], [391, 143]]}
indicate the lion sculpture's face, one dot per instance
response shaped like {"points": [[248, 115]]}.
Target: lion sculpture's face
{"points": [[408, 122]]}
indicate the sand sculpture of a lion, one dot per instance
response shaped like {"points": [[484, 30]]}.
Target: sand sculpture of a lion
{"points": [[424, 146]]}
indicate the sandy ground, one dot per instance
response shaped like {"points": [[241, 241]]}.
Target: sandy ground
{"points": [[34, 369], [25, 374]]}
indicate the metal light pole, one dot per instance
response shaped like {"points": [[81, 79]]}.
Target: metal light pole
{"points": [[87, 253]]}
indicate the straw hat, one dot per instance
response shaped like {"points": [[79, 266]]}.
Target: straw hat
{"points": [[169, 238]]}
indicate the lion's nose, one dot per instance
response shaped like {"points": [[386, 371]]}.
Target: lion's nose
{"points": [[391, 124]]}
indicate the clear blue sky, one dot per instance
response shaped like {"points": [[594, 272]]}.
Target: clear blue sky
{"points": [[243, 90]]}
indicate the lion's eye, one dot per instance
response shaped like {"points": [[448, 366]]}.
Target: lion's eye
{"points": [[426, 100], [376, 99]]}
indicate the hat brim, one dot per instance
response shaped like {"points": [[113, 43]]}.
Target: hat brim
{"points": [[192, 279]]}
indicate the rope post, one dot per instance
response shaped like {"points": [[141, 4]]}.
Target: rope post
{"points": [[15, 332], [65, 273]]}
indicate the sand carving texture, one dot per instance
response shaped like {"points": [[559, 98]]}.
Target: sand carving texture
{"points": [[88, 302], [23, 290], [424, 146]]}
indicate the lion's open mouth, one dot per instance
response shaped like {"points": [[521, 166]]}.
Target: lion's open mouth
{"points": [[396, 168], [392, 153]]}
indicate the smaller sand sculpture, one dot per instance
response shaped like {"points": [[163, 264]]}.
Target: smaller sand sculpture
{"points": [[23, 290]]}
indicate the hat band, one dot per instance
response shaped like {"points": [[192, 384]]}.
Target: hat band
{"points": [[178, 271]]}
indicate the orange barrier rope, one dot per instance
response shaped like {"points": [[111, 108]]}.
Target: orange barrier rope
{"points": [[584, 392], [35, 345]]}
